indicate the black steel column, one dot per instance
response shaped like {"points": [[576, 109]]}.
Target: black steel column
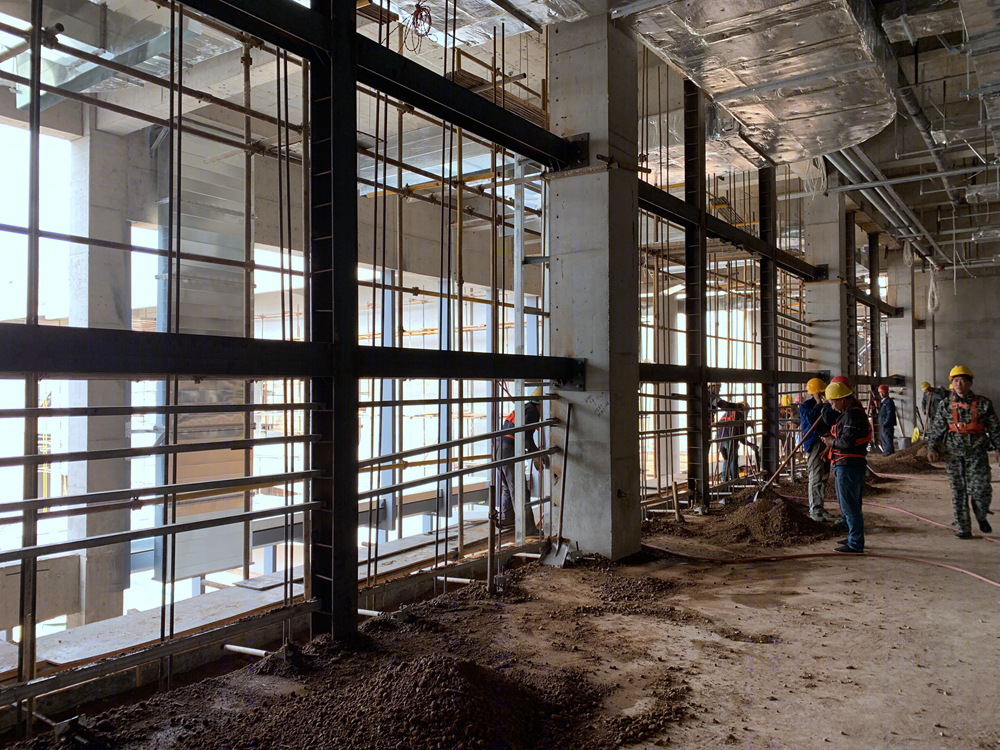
{"points": [[334, 316], [849, 321], [696, 271], [768, 196], [875, 317]]}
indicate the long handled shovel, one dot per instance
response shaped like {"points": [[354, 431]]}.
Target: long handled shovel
{"points": [[785, 462]]}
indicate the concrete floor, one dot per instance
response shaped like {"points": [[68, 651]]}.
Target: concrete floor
{"points": [[872, 652]]}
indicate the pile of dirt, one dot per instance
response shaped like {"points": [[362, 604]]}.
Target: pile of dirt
{"points": [[768, 522], [435, 701], [912, 460]]}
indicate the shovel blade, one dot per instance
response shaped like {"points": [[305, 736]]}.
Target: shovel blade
{"points": [[556, 555]]}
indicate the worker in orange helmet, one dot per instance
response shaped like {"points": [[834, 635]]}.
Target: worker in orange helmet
{"points": [[965, 427]]}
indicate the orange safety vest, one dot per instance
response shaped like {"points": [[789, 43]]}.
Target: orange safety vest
{"points": [[963, 428], [856, 451], [510, 418]]}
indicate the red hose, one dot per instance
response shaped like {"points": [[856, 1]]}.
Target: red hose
{"points": [[889, 507], [775, 558]]}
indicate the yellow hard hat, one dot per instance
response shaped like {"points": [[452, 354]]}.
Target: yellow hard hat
{"points": [[786, 400], [925, 386], [837, 390], [536, 394], [960, 370], [815, 385]]}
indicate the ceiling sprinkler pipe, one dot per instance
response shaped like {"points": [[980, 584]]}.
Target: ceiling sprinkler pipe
{"points": [[912, 105], [891, 214]]}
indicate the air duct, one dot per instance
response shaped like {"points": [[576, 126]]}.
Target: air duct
{"points": [[803, 77]]}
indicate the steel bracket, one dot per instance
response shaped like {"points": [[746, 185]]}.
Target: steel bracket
{"points": [[580, 149], [578, 381], [822, 272]]}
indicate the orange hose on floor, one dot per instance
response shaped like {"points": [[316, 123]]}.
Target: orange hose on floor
{"points": [[776, 558], [890, 507]]}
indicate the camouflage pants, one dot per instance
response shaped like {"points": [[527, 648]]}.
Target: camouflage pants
{"points": [[969, 475]]}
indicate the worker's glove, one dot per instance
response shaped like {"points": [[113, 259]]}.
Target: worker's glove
{"points": [[540, 462], [934, 456]]}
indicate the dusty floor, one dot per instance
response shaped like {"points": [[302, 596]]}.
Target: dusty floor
{"points": [[849, 652]]}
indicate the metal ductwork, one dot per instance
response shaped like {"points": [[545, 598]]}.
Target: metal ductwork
{"points": [[910, 20], [982, 22], [803, 77], [476, 21]]}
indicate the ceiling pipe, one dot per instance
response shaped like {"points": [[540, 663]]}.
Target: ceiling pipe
{"points": [[912, 106], [901, 225], [894, 198]]}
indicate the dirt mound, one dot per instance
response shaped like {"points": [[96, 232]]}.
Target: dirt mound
{"points": [[912, 460], [440, 701], [769, 522]]}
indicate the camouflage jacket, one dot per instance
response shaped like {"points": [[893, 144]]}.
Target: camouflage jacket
{"points": [[940, 434]]}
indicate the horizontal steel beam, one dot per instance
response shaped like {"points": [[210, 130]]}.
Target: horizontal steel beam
{"points": [[658, 373], [411, 82], [661, 203], [77, 675], [397, 362], [883, 307], [60, 351]]}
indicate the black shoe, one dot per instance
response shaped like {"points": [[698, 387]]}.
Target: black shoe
{"points": [[984, 526], [842, 542], [964, 535], [839, 526], [847, 550]]}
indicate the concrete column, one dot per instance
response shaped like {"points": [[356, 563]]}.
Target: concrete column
{"points": [[594, 245], [825, 236], [100, 297]]}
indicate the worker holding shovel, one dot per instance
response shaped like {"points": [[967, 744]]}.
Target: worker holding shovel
{"points": [[812, 411]]}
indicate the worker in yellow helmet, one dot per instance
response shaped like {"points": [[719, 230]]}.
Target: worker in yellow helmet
{"points": [[965, 427], [932, 398], [848, 442], [510, 471], [817, 462]]}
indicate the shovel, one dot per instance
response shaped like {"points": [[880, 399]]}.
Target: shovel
{"points": [[556, 556], [787, 459]]}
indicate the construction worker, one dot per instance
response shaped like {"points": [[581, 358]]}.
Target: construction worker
{"points": [[734, 425], [848, 443], [728, 448], [509, 471], [887, 421], [965, 427], [817, 462], [932, 398]]}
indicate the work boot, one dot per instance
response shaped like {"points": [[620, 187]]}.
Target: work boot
{"points": [[984, 526], [842, 542], [964, 535], [848, 550], [823, 514], [839, 526]]}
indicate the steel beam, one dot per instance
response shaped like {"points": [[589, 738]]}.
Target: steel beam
{"points": [[874, 314], [695, 281], [866, 299], [849, 320], [661, 203], [334, 319], [59, 351], [650, 372], [397, 362], [768, 192]]}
